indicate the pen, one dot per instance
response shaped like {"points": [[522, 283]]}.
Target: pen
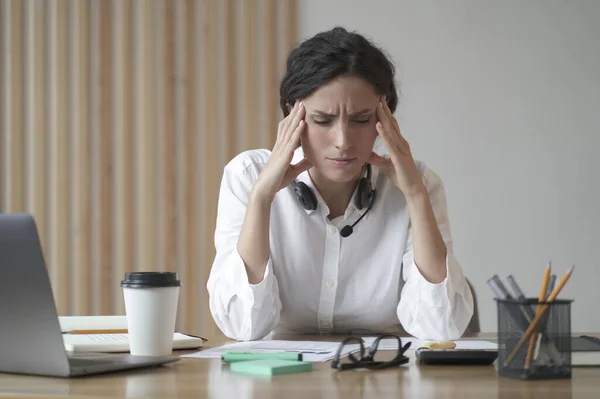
{"points": [[521, 297], [551, 285], [519, 294], [501, 287], [498, 292]]}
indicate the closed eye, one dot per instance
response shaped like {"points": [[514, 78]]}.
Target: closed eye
{"points": [[326, 122]]}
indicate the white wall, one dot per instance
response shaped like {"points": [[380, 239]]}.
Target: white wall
{"points": [[502, 99]]}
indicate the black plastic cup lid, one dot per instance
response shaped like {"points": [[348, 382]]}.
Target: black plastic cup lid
{"points": [[150, 280]]}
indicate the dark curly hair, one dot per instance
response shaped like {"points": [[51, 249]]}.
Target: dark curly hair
{"points": [[331, 54]]}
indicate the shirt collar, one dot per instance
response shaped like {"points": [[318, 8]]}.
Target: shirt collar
{"points": [[322, 206]]}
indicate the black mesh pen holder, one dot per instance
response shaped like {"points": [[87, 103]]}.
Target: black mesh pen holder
{"points": [[550, 353]]}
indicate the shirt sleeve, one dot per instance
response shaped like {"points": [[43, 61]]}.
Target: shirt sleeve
{"points": [[435, 311], [242, 311]]}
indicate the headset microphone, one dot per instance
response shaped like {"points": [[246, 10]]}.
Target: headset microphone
{"points": [[347, 229], [365, 196]]}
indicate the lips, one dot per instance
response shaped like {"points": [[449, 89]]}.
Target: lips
{"points": [[341, 161]]}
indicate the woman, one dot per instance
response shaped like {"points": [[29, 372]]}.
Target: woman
{"points": [[291, 253]]}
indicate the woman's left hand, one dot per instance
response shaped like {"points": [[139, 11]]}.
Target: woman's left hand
{"points": [[400, 167]]}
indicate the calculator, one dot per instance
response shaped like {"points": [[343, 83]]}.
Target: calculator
{"points": [[477, 357]]}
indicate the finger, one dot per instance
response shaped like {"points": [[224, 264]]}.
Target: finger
{"points": [[300, 167], [396, 145], [385, 121], [390, 116], [380, 162], [295, 138], [383, 126], [298, 118], [282, 127], [286, 121], [392, 144], [292, 117]]}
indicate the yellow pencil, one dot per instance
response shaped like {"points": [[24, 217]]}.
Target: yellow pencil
{"points": [[541, 298], [539, 315]]}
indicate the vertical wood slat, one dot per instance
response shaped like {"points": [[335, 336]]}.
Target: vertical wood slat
{"points": [[28, 99], [192, 233], [229, 28], [79, 14], [123, 43], [101, 128], [58, 157], [182, 171], [209, 141], [4, 97], [168, 153], [110, 129], [290, 26], [269, 73], [37, 189], [16, 165], [146, 188], [252, 134]]}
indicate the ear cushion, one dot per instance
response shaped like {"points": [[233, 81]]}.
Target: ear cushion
{"points": [[307, 198], [364, 195]]}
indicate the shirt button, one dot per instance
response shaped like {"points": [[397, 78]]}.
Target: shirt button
{"points": [[332, 229], [330, 283]]}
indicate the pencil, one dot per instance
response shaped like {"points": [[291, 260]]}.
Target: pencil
{"points": [[541, 298], [539, 315]]}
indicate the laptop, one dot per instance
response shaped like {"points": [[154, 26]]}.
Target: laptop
{"points": [[31, 340]]}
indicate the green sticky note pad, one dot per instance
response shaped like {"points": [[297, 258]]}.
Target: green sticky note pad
{"points": [[268, 367]]}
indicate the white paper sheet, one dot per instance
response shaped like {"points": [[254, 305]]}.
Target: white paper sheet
{"points": [[312, 351], [392, 344]]}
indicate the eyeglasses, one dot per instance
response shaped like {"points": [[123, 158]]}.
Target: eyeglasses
{"points": [[360, 360]]}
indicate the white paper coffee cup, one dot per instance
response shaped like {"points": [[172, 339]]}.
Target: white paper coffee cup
{"points": [[151, 300]]}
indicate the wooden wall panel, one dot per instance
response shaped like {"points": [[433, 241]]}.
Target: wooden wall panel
{"points": [[116, 120]]}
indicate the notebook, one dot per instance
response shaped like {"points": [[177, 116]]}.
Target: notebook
{"points": [[119, 342], [585, 351], [99, 342]]}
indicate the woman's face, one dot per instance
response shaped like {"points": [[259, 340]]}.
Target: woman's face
{"points": [[340, 128]]}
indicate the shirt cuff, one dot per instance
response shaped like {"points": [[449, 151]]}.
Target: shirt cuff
{"points": [[438, 294], [237, 275]]}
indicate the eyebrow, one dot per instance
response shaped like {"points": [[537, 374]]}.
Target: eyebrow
{"points": [[357, 113]]}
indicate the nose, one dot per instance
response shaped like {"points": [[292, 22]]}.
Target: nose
{"points": [[341, 136]]}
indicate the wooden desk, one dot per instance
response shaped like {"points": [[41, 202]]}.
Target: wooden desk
{"points": [[209, 378]]}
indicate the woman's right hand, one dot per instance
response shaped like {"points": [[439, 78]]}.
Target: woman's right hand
{"points": [[279, 172]]}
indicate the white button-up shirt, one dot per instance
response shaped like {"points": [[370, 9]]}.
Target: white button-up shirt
{"points": [[316, 281]]}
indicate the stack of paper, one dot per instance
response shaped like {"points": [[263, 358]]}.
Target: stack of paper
{"points": [[317, 351], [392, 344], [312, 351]]}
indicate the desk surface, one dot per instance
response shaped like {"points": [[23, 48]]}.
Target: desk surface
{"points": [[209, 378]]}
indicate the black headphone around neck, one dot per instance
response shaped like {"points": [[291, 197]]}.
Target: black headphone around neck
{"points": [[365, 196]]}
